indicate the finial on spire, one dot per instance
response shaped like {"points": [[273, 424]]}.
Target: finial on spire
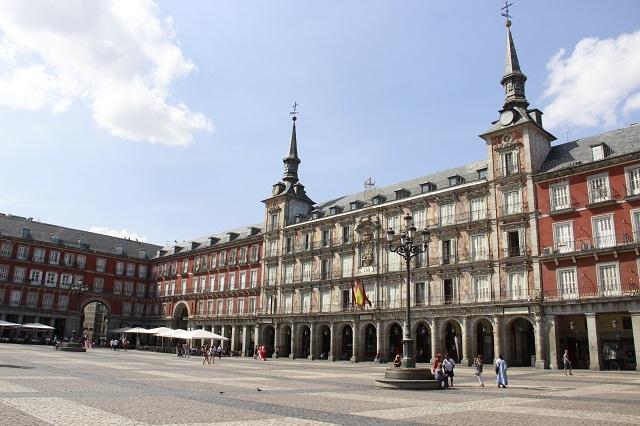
{"points": [[294, 112], [506, 7], [291, 161]]}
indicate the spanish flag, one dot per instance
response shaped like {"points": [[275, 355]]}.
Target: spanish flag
{"points": [[359, 294]]}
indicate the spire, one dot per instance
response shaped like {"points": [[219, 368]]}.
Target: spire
{"points": [[292, 161], [513, 79]]}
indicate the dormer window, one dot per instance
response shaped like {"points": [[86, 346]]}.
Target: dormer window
{"points": [[378, 199], [316, 215], [482, 174], [335, 210], [427, 187], [455, 180], [55, 238], [142, 253], [231, 236], [355, 205], [599, 152], [402, 193], [119, 250]]}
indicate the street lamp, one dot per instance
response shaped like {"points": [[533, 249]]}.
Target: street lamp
{"points": [[408, 248], [73, 346]]}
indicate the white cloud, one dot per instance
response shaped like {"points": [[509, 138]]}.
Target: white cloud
{"points": [[123, 233], [595, 86], [118, 56]]}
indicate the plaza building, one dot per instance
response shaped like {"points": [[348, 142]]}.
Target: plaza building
{"points": [[588, 195], [211, 283], [69, 279]]}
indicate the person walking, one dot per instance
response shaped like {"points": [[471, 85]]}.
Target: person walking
{"points": [[205, 354], [478, 363], [448, 365], [212, 354], [219, 350], [566, 362], [501, 372]]}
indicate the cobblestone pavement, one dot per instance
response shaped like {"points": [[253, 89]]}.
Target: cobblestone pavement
{"points": [[41, 386]]}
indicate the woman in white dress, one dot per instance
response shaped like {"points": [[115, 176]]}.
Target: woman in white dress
{"points": [[501, 372]]}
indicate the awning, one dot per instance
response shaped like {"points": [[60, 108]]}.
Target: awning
{"points": [[37, 326], [4, 323]]}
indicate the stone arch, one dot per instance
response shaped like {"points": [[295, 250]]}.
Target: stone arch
{"points": [[368, 332], [345, 345], [284, 331], [93, 320], [268, 338], [98, 300], [179, 320], [323, 341], [482, 334], [421, 332], [393, 343], [451, 338], [519, 341], [303, 337]]}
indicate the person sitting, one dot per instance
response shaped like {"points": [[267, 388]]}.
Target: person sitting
{"points": [[397, 361], [440, 377], [378, 358]]}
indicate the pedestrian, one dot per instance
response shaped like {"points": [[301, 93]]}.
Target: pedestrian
{"points": [[219, 351], [125, 344], [566, 362], [436, 360], [187, 350], [440, 377], [205, 354], [449, 365], [397, 361], [117, 343], [501, 372], [478, 363], [212, 354]]}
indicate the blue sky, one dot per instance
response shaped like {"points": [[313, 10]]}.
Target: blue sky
{"points": [[169, 120]]}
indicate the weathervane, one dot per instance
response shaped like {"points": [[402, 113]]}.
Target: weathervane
{"points": [[506, 10], [294, 112]]}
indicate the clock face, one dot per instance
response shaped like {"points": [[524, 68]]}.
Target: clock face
{"points": [[506, 117]]}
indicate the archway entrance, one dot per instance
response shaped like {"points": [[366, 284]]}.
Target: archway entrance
{"points": [[180, 316], [395, 341], [521, 343], [423, 343], [347, 343], [305, 348], [484, 340], [325, 342], [370, 343], [268, 339], [285, 346], [95, 321], [453, 340]]}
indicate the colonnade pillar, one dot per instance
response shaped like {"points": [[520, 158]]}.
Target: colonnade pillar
{"points": [[594, 343], [312, 341], [539, 340], [355, 342], [435, 338], [467, 357], [333, 346], [497, 336], [552, 339], [245, 340], [635, 324]]}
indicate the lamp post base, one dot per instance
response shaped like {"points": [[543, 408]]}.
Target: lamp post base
{"points": [[408, 378], [72, 347]]}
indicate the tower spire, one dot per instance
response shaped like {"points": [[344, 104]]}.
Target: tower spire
{"points": [[513, 79], [292, 161]]}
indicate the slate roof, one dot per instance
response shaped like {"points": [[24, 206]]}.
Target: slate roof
{"points": [[11, 226], [620, 142], [468, 171], [186, 246]]}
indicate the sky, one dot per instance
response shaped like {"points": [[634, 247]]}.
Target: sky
{"points": [[167, 120]]}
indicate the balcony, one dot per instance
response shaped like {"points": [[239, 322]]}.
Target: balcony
{"points": [[516, 251], [512, 209], [581, 245], [508, 171], [632, 289], [559, 207], [602, 197]]}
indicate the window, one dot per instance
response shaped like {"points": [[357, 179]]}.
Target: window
{"points": [[288, 303], [393, 296], [517, 286], [243, 255], [306, 271], [252, 305], [481, 288], [221, 282], [325, 269], [223, 258], [512, 202], [394, 262], [117, 287], [326, 237], [101, 264], [131, 269], [5, 250], [635, 224], [563, 237], [598, 188], [183, 286], [308, 241], [98, 285], [567, 283], [35, 277], [482, 174], [325, 300], [66, 280], [446, 214], [47, 301], [19, 273], [81, 260], [32, 299], [254, 253], [419, 220], [243, 279], [393, 222], [288, 273], [203, 284], [230, 306], [142, 271], [119, 268], [126, 309], [240, 306], [633, 180], [128, 288], [603, 231], [185, 266], [139, 309], [479, 249], [51, 279], [38, 255], [220, 309], [68, 259], [272, 275], [214, 260], [509, 162], [232, 280], [478, 208], [4, 273], [273, 248], [559, 194], [609, 279], [209, 307], [63, 302], [212, 283], [232, 256], [140, 289], [306, 302], [273, 221], [54, 257], [15, 297], [419, 294], [346, 234], [347, 265], [23, 252], [515, 243], [448, 252], [254, 278], [597, 152]]}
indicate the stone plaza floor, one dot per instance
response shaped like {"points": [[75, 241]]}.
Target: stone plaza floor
{"points": [[41, 386]]}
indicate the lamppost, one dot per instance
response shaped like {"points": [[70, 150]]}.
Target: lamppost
{"points": [[73, 346], [408, 248]]}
